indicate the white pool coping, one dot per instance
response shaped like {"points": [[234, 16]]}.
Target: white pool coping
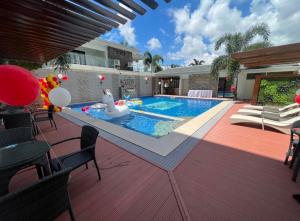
{"points": [[163, 145]]}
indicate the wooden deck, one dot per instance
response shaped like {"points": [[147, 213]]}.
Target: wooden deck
{"points": [[234, 173]]}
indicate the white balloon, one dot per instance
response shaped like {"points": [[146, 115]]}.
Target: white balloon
{"points": [[298, 92], [60, 97]]}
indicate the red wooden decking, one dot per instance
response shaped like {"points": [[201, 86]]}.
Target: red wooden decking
{"points": [[234, 173]]}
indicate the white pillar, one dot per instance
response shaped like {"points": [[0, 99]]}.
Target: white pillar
{"points": [[180, 86]]}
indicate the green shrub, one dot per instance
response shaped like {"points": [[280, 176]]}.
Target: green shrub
{"points": [[277, 91]]}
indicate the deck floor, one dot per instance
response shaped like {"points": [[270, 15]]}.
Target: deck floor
{"points": [[234, 173]]}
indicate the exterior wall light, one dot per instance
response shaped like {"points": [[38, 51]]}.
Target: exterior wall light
{"points": [[146, 79], [159, 83]]}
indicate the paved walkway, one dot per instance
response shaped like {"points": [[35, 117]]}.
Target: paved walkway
{"points": [[234, 173]]}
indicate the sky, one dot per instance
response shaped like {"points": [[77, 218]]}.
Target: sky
{"points": [[185, 29]]}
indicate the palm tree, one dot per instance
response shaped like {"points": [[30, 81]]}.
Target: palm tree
{"points": [[153, 62], [196, 62], [174, 65], [62, 63], [238, 42]]}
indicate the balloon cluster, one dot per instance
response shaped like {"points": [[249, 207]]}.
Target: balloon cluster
{"points": [[47, 84], [297, 98]]}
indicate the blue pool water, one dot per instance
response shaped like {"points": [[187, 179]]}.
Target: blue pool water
{"points": [[152, 125], [176, 107]]}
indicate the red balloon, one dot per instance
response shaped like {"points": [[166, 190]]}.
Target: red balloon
{"points": [[297, 99], [65, 77], [18, 87]]}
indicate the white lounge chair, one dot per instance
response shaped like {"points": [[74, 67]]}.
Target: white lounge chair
{"points": [[254, 107], [249, 112], [284, 126]]}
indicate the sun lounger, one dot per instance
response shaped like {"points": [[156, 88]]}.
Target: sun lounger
{"points": [[258, 113], [281, 125], [267, 108]]}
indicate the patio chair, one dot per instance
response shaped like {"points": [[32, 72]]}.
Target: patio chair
{"points": [[287, 113], [15, 135], [282, 125], [45, 116], [17, 120], [79, 158], [44, 200], [267, 108], [293, 143]]}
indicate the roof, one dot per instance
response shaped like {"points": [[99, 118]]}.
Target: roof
{"points": [[283, 54], [40, 30], [198, 69]]}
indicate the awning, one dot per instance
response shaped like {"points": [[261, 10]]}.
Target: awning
{"points": [[269, 56], [40, 30]]}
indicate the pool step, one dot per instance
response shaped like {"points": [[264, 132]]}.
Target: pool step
{"points": [[158, 115]]}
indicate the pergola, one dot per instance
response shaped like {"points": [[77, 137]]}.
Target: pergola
{"points": [[283, 54], [40, 30], [269, 56]]}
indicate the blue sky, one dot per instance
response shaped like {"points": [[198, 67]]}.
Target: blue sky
{"points": [[187, 29]]}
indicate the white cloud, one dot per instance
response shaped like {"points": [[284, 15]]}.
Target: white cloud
{"points": [[127, 31], [197, 30], [153, 44]]}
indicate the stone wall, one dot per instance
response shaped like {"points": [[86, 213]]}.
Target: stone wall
{"points": [[203, 82], [85, 86]]}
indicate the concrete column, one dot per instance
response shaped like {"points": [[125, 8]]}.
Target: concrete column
{"points": [[162, 87], [180, 87]]}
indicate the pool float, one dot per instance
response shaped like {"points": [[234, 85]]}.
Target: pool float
{"points": [[98, 106], [134, 102], [111, 109]]}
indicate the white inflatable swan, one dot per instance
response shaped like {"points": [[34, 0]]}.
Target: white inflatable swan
{"points": [[111, 109]]}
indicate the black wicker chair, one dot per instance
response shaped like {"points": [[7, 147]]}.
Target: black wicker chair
{"points": [[17, 120], [86, 153], [293, 144], [45, 116], [45, 200], [15, 135]]}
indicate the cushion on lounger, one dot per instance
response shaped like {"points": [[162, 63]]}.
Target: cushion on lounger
{"points": [[271, 109], [271, 116]]}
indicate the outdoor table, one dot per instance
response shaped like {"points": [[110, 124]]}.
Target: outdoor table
{"points": [[6, 112], [18, 156]]}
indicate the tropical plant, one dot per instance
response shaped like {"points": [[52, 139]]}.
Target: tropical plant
{"points": [[153, 62], [174, 65], [62, 63], [279, 91], [238, 42], [196, 62], [25, 64]]}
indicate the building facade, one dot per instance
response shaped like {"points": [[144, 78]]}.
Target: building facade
{"points": [[114, 61]]}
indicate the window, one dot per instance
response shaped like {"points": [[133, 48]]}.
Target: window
{"points": [[78, 57]]}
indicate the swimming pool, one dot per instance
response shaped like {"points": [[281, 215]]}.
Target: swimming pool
{"points": [[169, 113]]}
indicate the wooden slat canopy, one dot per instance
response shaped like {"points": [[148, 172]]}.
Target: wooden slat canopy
{"points": [[40, 30], [269, 56]]}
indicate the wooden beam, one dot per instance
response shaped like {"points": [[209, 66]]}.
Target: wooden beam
{"points": [[99, 10], [132, 5], [84, 12], [151, 3], [110, 4]]}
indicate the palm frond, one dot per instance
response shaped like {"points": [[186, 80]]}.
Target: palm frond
{"points": [[223, 40], [260, 30], [263, 44], [147, 58], [218, 64], [62, 63]]}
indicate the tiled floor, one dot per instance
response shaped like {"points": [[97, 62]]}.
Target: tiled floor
{"points": [[234, 173]]}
